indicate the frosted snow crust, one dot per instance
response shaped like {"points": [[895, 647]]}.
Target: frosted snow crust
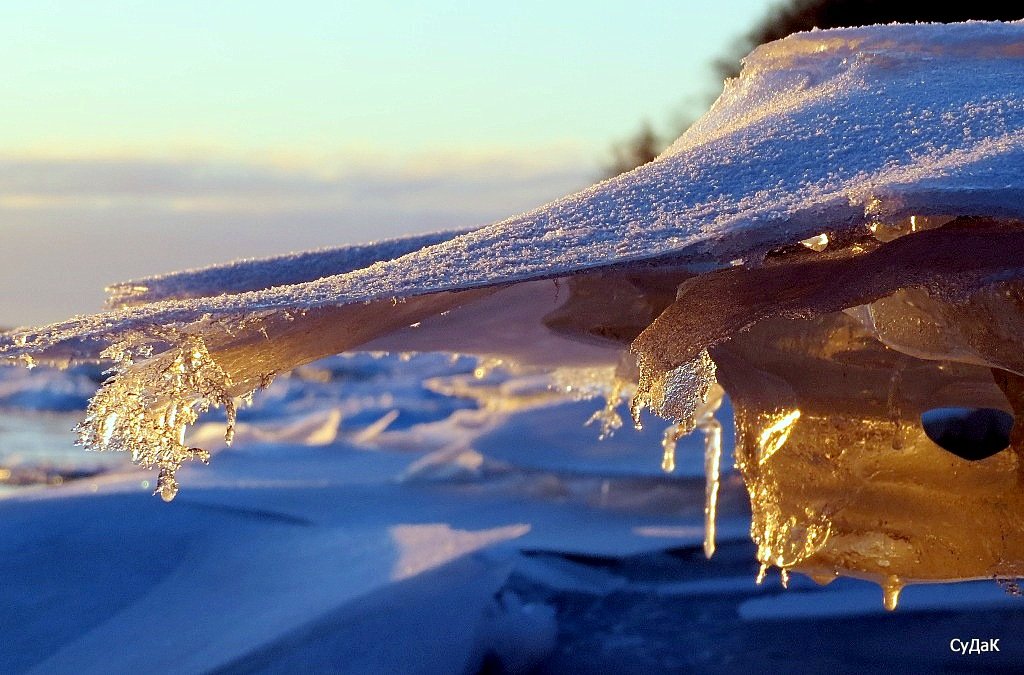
{"points": [[258, 274]]}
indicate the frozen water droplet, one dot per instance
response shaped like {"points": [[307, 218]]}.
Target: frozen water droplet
{"points": [[166, 486], [231, 411]]}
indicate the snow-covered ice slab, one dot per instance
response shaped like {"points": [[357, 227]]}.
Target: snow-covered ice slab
{"points": [[837, 243]]}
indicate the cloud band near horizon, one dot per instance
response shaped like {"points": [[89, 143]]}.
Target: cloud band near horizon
{"points": [[74, 224]]}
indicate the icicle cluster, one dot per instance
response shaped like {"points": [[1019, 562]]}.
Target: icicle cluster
{"points": [[145, 408]]}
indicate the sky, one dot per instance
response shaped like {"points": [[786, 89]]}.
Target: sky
{"points": [[144, 137]]}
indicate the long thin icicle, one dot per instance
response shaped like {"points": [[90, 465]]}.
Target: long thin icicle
{"points": [[712, 430]]}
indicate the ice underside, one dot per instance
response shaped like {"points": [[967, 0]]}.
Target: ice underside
{"points": [[770, 252]]}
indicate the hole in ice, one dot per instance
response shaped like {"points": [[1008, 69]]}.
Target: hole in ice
{"points": [[970, 433]]}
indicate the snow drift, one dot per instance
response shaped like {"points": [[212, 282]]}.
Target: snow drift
{"points": [[837, 243]]}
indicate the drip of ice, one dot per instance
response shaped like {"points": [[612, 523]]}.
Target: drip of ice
{"points": [[891, 589], [608, 416], [668, 445], [231, 412], [637, 403]]}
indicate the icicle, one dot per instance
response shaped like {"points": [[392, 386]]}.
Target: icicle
{"points": [[704, 420], [231, 412], [761, 572], [784, 577], [891, 593], [712, 429], [669, 440], [668, 445], [636, 406]]}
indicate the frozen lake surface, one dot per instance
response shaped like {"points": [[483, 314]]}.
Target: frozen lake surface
{"points": [[451, 539]]}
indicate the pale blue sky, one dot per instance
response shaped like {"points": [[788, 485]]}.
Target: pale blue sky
{"points": [[318, 76], [143, 137]]}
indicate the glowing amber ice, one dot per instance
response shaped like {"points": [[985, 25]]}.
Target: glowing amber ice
{"points": [[831, 357], [841, 476]]}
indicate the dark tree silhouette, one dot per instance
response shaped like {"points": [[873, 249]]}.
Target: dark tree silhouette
{"points": [[793, 16], [635, 151]]}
